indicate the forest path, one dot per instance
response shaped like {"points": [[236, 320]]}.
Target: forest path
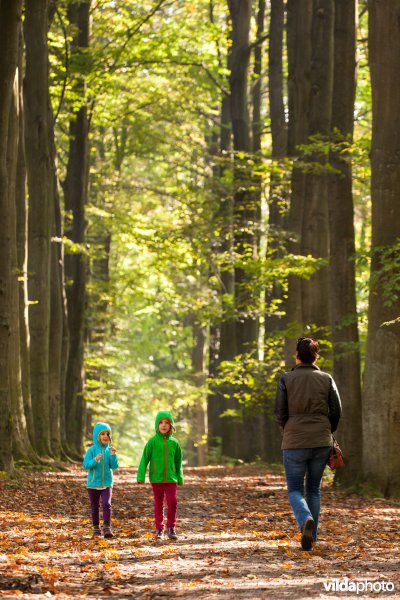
{"points": [[237, 539]]}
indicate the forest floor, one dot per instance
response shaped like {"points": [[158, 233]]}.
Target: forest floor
{"points": [[237, 539]]}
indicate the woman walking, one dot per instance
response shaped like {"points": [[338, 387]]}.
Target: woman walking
{"points": [[308, 410]]}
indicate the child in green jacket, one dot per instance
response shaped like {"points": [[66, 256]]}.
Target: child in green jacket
{"points": [[164, 454]]}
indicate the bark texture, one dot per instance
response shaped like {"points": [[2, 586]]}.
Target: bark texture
{"points": [[40, 213], [299, 19], [10, 22], [315, 228], [75, 197], [381, 401], [344, 325]]}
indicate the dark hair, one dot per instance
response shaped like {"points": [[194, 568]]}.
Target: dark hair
{"points": [[307, 350]]}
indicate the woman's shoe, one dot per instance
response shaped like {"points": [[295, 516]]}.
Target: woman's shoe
{"points": [[306, 534]]}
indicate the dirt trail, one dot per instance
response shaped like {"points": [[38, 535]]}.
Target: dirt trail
{"points": [[237, 539]]}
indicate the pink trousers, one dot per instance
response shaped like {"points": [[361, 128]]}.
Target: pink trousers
{"points": [[170, 491]]}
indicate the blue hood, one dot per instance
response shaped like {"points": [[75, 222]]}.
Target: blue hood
{"points": [[96, 430]]}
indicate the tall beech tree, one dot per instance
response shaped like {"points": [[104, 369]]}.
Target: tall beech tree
{"points": [[222, 335], [315, 229], [277, 194], [345, 339], [21, 207], [254, 419], [277, 200], [245, 210], [75, 199], [10, 22], [40, 214], [381, 400], [299, 19], [21, 447]]}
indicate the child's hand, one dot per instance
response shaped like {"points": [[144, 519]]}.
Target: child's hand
{"points": [[113, 450], [98, 458]]}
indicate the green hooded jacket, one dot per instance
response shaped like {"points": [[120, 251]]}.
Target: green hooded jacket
{"points": [[164, 454], [100, 473]]}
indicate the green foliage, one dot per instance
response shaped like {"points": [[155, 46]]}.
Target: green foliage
{"points": [[386, 274], [158, 244], [251, 380]]}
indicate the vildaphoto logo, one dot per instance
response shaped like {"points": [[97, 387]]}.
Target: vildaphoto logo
{"points": [[359, 587]]}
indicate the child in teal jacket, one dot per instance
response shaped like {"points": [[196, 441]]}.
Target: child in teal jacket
{"points": [[100, 461], [164, 454]]}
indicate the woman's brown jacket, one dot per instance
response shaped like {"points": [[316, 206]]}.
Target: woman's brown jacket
{"points": [[308, 407]]}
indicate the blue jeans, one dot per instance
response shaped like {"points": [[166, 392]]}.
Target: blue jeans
{"points": [[300, 463]]}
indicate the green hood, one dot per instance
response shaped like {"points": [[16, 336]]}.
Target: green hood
{"points": [[164, 414]]}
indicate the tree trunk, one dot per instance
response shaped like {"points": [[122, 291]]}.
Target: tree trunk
{"points": [[299, 19], [276, 204], [253, 443], [57, 308], [40, 214], [346, 354], [199, 412], [22, 258], [225, 429], [315, 227], [246, 209], [277, 187], [10, 21], [75, 198], [20, 440], [381, 402]]}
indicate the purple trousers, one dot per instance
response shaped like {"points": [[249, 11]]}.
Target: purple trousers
{"points": [[94, 497], [170, 491]]}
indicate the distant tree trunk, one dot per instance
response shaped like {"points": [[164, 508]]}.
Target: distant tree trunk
{"points": [[199, 412], [315, 227], [381, 402], [346, 354], [225, 428], [40, 214], [214, 400], [57, 316], [10, 21], [299, 19], [75, 198]]}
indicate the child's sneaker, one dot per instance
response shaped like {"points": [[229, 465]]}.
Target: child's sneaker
{"points": [[96, 531], [172, 533], [159, 534], [107, 531]]}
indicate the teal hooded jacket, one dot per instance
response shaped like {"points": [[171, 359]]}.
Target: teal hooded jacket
{"points": [[100, 473], [164, 454]]}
